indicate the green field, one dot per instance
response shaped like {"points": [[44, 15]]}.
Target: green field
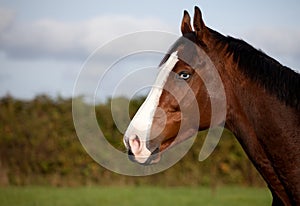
{"points": [[131, 196]]}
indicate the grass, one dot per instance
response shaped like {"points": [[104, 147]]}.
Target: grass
{"points": [[133, 196]]}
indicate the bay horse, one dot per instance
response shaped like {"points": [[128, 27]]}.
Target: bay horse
{"points": [[262, 106]]}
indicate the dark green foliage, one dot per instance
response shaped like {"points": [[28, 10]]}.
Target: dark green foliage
{"points": [[38, 145]]}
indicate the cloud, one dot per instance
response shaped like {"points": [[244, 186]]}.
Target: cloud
{"points": [[7, 17], [49, 38], [282, 43]]}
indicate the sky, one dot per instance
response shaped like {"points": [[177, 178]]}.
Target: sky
{"points": [[44, 44]]}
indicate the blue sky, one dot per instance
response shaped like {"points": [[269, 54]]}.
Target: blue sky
{"points": [[43, 44]]}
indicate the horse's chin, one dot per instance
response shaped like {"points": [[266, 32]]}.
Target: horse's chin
{"points": [[173, 141], [167, 144]]}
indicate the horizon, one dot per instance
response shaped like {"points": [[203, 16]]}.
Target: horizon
{"points": [[45, 44]]}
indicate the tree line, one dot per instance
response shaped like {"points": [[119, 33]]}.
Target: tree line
{"points": [[39, 146]]}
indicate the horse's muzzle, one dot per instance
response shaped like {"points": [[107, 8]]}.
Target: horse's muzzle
{"points": [[153, 158]]}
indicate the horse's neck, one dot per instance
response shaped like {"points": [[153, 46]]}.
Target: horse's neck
{"points": [[259, 106], [268, 130], [266, 127]]}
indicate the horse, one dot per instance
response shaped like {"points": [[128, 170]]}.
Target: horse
{"points": [[262, 106]]}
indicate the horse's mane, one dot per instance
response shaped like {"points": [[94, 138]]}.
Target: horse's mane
{"points": [[266, 71]]}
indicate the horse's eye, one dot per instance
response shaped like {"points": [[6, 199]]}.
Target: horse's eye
{"points": [[183, 76]]}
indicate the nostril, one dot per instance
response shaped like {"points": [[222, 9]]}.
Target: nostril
{"points": [[137, 149], [135, 144]]}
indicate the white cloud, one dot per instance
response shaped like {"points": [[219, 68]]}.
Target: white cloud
{"points": [[56, 39], [7, 17], [49, 38], [281, 43]]}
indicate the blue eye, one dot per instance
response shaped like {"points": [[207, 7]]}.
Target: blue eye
{"points": [[183, 76]]}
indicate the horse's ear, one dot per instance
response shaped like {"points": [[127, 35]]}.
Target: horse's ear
{"points": [[199, 25], [186, 23]]}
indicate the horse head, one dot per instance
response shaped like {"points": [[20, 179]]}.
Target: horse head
{"points": [[171, 112]]}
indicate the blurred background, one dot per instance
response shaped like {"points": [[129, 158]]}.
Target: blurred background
{"points": [[43, 45]]}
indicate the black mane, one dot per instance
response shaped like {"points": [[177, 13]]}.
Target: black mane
{"points": [[279, 80]]}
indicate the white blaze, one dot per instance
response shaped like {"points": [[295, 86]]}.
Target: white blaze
{"points": [[141, 124]]}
